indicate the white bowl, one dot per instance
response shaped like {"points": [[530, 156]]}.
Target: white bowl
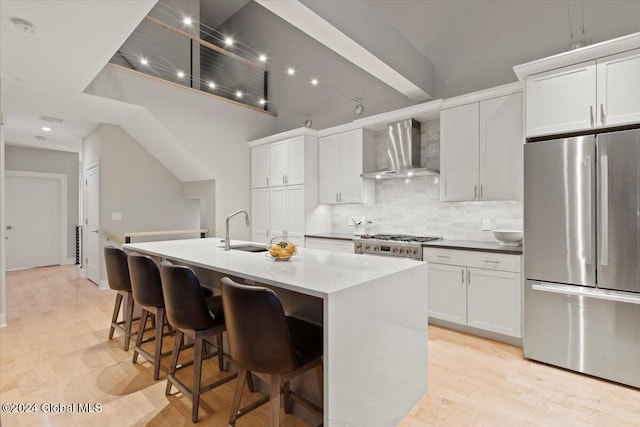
{"points": [[508, 237]]}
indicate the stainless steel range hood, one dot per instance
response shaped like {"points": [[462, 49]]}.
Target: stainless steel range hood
{"points": [[404, 153]]}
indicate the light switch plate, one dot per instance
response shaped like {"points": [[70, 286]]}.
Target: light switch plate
{"points": [[486, 224], [116, 216]]}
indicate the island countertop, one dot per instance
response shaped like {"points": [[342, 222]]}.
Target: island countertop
{"points": [[313, 272]]}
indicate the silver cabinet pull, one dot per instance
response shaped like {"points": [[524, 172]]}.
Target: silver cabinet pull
{"points": [[267, 181], [340, 197], [481, 190], [443, 256], [591, 114], [336, 197], [284, 179], [602, 116], [468, 277], [475, 191], [9, 227], [95, 231], [491, 261], [604, 210], [462, 277]]}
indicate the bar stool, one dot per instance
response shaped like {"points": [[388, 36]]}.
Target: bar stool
{"points": [[263, 340], [147, 293], [119, 281], [199, 319]]}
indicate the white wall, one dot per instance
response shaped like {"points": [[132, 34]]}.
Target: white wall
{"points": [[134, 183], [51, 161], [3, 295]]}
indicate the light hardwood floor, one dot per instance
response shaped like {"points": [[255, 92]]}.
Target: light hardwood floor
{"points": [[55, 350]]}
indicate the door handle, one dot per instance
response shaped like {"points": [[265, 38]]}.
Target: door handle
{"points": [[588, 225], [604, 210]]}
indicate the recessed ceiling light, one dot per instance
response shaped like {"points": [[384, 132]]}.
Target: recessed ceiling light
{"points": [[314, 82], [238, 94], [212, 85], [263, 58], [144, 61], [228, 41], [46, 129], [291, 71], [262, 101], [187, 20], [23, 25], [180, 74]]}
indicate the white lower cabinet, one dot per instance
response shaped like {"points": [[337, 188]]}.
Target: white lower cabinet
{"points": [[484, 298]]}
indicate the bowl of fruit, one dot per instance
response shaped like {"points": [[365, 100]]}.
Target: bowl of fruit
{"points": [[281, 250]]}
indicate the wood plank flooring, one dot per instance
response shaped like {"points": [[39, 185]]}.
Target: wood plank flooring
{"points": [[55, 350]]}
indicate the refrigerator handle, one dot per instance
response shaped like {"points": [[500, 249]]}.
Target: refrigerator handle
{"points": [[604, 210], [589, 217]]}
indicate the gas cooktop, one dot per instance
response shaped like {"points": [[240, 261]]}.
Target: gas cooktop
{"points": [[399, 245], [401, 238]]}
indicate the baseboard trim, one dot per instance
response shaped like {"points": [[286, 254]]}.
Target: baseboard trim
{"points": [[104, 284], [3, 320]]}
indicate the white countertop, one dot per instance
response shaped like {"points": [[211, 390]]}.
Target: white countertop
{"points": [[313, 271]]}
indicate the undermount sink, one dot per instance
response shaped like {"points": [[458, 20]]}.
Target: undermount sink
{"points": [[249, 248]]}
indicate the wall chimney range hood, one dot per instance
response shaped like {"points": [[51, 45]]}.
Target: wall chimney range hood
{"points": [[404, 153]]}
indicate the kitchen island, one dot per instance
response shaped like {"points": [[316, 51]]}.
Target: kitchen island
{"points": [[373, 310]]}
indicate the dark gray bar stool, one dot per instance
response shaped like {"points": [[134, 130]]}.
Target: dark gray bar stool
{"points": [[263, 340], [119, 281], [199, 319], [147, 293]]}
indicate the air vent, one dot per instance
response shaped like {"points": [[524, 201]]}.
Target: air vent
{"points": [[40, 138], [51, 119]]}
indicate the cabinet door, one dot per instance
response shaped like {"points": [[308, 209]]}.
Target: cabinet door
{"points": [[260, 166], [501, 148], [494, 302], [294, 209], [295, 161], [619, 88], [260, 211], [278, 160], [561, 100], [277, 211], [351, 181], [459, 149], [328, 169], [447, 293]]}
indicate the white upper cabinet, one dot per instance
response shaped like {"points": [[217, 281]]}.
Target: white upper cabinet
{"points": [[619, 88], [501, 148], [481, 146], [459, 136], [593, 94], [561, 100], [287, 162], [260, 169], [342, 159]]}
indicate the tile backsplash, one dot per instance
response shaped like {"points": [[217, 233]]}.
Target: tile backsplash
{"points": [[415, 208]]}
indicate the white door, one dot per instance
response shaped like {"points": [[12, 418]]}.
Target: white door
{"points": [[278, 163], [619, 88], [493, 299], [328, 169], [561, 100], [351, 181], [260, 215], [459, 147], [33, 222], [447, 293], [260, 156], [501, 148], [93, 255], [295, 161], [295, 214], [278, 211]]}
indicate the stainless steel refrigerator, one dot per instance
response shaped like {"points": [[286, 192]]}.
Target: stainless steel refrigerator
{"points": [[582, 254]]}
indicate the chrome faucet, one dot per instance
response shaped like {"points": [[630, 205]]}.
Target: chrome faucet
{"points": [[227, 242]]}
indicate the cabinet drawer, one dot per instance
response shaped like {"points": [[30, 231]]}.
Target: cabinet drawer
{"points": [[486, 260], [333, 245]]}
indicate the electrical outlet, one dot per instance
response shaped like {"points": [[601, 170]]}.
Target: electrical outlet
{"points": [[486, 224], [116, 216]]}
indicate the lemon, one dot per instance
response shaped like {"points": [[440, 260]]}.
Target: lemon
{"points": [[290, 248]]}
